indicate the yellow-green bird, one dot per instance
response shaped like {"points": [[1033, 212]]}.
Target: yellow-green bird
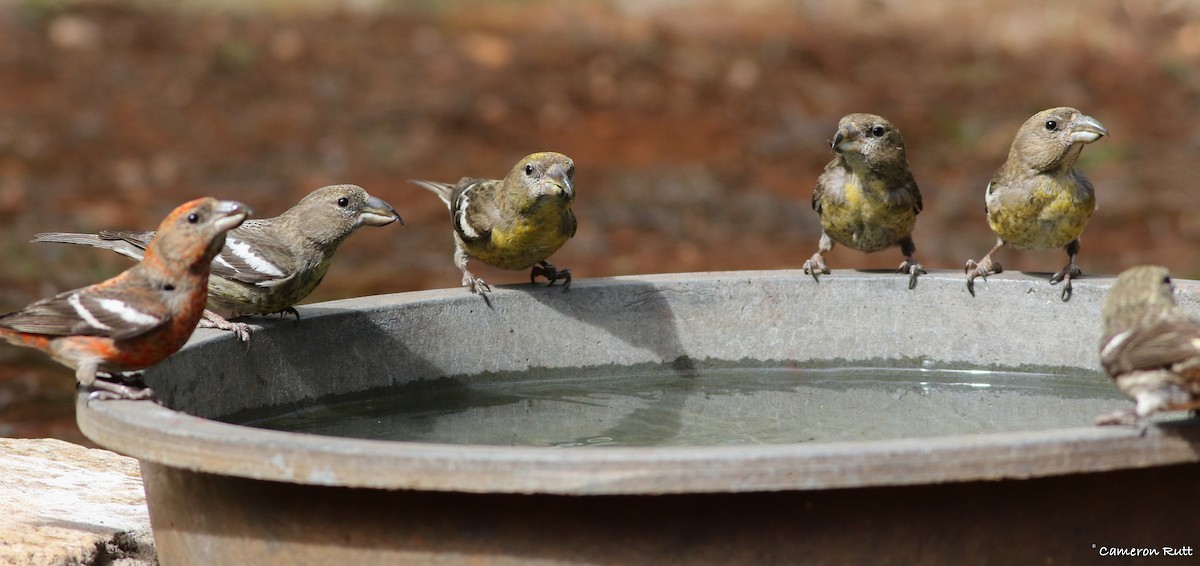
{"points": [[1037, 200], [268, 264], [1150, 347], [866, 197], [515, 222]]}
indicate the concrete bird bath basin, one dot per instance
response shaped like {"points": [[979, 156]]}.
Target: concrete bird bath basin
{"points": [[896, 468]]}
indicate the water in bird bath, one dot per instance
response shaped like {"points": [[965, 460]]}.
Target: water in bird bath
{"points": [[697, 407]]}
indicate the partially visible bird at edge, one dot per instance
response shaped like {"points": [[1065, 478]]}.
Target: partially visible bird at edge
{"points": [[1150, 347]]}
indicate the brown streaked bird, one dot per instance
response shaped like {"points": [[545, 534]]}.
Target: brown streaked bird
{"points": [[515, 222], [866, 197], [1037, 200], [268, 264], [1150, 347]]}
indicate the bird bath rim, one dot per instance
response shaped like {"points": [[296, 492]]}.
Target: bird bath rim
{"points": [[164, 436]]}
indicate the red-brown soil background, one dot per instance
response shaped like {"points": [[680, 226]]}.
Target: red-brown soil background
{"points": [[698, 128]]}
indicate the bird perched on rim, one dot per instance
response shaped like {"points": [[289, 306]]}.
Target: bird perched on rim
{"points": [[139, 317], [267, 264], [1037, 200], [1150, 347], [515, 222], [867, 198]]}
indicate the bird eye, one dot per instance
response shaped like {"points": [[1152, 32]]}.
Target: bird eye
{"points": [[529, 169], [193, 218], [168, 287], [877, 131], [1051, 125], [1167, 280], [343, 202]]}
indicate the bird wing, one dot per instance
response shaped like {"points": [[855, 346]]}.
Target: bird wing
{"points": [[570, 225], [1083, 186], [113, 313], [257, 254], [829, 184], [1170, 340], [1010, 195], [474, 208], [915, 193]]}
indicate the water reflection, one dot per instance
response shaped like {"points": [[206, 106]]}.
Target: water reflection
{"points": [[584, 409]]}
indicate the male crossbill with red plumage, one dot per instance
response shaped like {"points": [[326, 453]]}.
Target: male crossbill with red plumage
{"points": [[140, 317]]}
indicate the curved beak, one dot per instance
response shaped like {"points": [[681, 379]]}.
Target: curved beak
{"points": [[379, 213], [846, 139], [231, 214], [559, 177], [1086, 129]]}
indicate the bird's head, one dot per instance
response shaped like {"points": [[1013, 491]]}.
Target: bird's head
{"points": [[867, 139], [194, 232], [545, 174], [329, 214], [1138, 292], [1052, 139], [349, 202]]}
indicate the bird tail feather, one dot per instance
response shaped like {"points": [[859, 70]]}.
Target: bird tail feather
{"points": [[444, 191], [120, 246]]}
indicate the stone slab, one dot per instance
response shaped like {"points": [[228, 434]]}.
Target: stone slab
{"points": [[61, 503]]}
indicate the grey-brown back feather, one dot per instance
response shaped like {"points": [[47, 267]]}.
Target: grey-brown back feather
{"points": [[129, 244]]}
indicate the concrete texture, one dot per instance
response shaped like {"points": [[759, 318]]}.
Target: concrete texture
{"points": [[682, 320], [61, 503], [225, 492]]}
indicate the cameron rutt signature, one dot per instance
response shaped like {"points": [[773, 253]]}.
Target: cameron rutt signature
{"points": [[1143, 550]]}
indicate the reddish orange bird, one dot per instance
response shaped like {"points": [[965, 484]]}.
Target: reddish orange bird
{"points": [[140, 317]]}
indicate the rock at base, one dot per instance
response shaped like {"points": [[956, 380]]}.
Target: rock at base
{"points": [[61, 503]]}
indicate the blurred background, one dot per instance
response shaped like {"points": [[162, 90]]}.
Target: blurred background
{"points": [[698, 128]]}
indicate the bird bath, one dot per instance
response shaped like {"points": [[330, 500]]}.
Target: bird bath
{"points": [[685, 418]]}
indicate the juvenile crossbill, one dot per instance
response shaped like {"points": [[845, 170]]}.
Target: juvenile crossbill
{"points": [[1037, 200], [268, 264], [1149, 347], [515, 222], [867, 198]]}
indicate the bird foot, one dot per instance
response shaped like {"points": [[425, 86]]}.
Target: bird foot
{"points": [[815, 266], [214, 320], [1124, 417], [107, 390], [477, 286], [547, 270], [288, 311], [913, 269], [982, 269], [1068, 272], [1121, 417]]}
